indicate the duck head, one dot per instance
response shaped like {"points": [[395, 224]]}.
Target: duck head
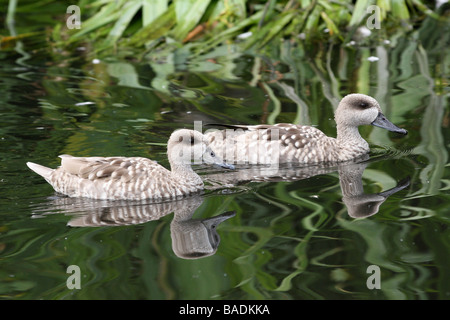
{"points": [[359, 109], [188, 146]]}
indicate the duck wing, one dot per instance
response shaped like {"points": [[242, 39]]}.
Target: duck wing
{"points": [[289, 135], [95, 168], [298, 136]]}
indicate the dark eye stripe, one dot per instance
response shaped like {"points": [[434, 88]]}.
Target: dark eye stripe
{"points": [[362, 104]]}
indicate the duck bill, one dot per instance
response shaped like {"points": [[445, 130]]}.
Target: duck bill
{"points": [[216, 161], [225, 165], [382, 122], [400, 186], [213, 222]]}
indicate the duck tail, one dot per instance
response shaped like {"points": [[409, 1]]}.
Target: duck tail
{"points": [[40, 170]]}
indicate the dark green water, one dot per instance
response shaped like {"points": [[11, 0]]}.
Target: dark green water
{"points": [[287, 240]]}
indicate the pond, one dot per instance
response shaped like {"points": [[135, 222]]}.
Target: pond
{"points": [[304, 236]]}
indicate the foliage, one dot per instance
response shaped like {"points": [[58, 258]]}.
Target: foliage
{"points": [[252, 24]]}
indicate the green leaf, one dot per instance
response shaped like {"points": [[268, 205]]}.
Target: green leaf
{"points": [[277, 26], [360, 11], [152, 9], [330, 24], [107, 14], [158, 28], [188, 14], [400, 10], [130, 10]]}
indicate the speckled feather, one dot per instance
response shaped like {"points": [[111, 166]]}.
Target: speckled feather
{"points": [[135, 178], [284, 142], [278, 143], [119, 178]]}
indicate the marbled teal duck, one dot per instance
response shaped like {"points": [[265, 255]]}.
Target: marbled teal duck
{"points": [[284, 142], [134, 178]]}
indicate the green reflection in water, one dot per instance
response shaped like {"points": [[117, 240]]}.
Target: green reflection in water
{"points": [[288, 240]]}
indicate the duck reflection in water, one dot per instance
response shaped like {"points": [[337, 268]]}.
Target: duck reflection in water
{"points": [[358, 203], [191, 238]]}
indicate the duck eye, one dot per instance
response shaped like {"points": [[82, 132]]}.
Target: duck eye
{"points": [[213, 154], [192, 141], [363, 104]]}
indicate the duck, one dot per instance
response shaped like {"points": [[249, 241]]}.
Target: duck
{"points": [[302, 144], [134, 178]]}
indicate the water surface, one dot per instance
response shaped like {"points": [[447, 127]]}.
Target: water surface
{"points": [[300, 238]]}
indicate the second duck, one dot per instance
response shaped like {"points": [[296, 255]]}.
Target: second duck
{"points": [[134, 178], [285, 142]]}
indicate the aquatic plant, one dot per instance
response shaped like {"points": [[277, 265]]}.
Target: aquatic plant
{"points": [[251, 22], [205, 24]]}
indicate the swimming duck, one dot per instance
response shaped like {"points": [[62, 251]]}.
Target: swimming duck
{"points": [[134, 178], [285, 142]]}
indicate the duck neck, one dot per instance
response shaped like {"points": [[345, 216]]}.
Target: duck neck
{"points": [[348, 137], [350, 179], [185, 173]]}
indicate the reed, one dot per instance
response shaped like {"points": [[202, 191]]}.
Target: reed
{"points": [[253, 24]]}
